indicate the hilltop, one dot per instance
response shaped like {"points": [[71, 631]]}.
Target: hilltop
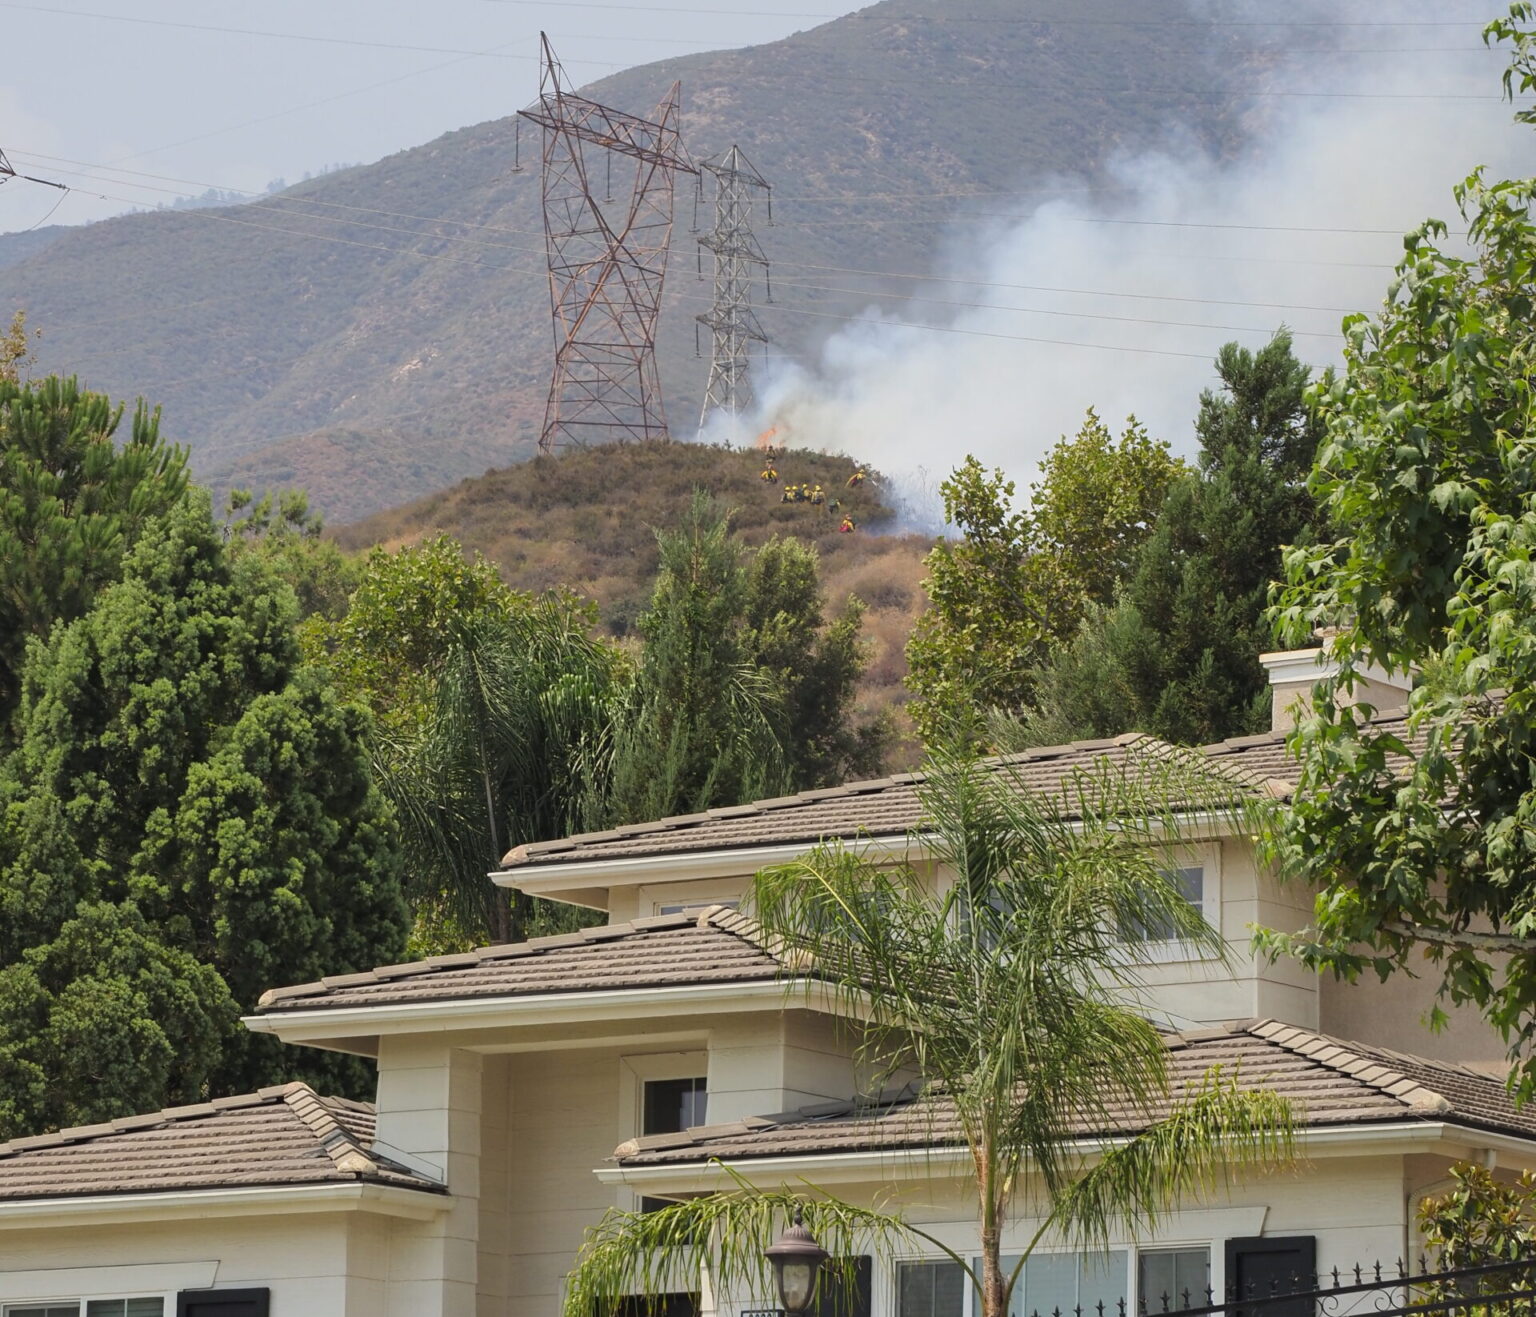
{"points": [[587, 519], [383, 330]]}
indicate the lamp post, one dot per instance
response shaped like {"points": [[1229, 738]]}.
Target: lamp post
{"points": [[796, 1257]]}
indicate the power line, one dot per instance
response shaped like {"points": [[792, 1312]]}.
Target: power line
{"points": [[277, 209], [1021, 20], [847, 199], [905, 326]]}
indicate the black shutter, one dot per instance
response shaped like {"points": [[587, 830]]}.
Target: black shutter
{"points": [[660, 1305], [1266, 1267], [223, 1303], [836, 1297]]}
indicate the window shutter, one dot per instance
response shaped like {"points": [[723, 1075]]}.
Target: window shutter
{"points": [[224, 1303], [1263, 1266], [838, 1298]]}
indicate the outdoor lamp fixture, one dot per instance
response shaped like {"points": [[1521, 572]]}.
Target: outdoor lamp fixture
{"points": [[796, 1257]]}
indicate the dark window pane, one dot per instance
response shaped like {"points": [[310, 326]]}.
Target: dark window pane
{"points": [[1173, 1278], [930, 1289], [672, 1105]]}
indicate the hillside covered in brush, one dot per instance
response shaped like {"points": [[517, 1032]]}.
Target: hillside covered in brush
{"points": [[587, 520], [382, 331]]}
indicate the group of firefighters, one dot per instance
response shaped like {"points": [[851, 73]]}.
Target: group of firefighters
{"points": [[812, 494]]}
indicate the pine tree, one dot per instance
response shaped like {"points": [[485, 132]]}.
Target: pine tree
{"points": [[72, 502], [185, 791]]}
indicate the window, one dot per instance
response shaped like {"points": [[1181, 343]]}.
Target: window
{"points": [[1191, 882], [672, 1105], [145, 1307], [690, 907], [1092, 1284], [930, 1289], [1168, 1279]]}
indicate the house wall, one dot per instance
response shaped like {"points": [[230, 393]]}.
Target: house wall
{"points": [[1355, 1207], [316, 1265], [1249, 985], [1393, 1014]]}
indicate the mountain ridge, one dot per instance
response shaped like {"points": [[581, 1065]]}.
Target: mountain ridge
{"points": [[406, 299]]}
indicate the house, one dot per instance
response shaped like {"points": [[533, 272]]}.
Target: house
{"points": [[523, 1090]]}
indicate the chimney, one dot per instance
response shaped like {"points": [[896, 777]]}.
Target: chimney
{"points": [[1293, 673]]}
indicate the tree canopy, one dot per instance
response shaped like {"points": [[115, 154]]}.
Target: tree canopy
{"points": [[72, 502], [1018, 580], [1423, 840], [190, 798], [1177, 651]]}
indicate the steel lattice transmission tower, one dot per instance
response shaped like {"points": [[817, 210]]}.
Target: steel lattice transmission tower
{"points": [[732, 322], [607, 259]]}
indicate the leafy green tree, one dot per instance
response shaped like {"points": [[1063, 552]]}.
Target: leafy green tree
{"points": [[389, 645], [72, 502], [743, 689], [1005, 991], [1177, 653], [1482, 1220], [181, 778], [290, 536], [1423, 843], [1016, 582]]}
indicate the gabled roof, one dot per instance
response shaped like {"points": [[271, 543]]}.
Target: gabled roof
{"points": [[891, 806], [714, 946], [1330, 1081], [283, 1136]]}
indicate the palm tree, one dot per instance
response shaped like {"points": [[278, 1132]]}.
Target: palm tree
{"points": [[502, 756], [1013, 991]]}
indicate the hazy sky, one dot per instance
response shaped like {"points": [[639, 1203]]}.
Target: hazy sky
{"points": [[155, 86]]}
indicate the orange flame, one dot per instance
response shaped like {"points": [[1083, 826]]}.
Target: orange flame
{"points": [[765, 440]]}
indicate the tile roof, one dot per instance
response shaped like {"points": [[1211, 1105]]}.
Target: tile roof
{"points": [[288, 1135], [716, 945], [1331, 1082], [1255, 765]]}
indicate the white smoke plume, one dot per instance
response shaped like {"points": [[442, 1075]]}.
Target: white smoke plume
{"points": [[1192, 254]]}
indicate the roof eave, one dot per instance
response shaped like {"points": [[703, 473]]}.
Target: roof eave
{"points": [[674, 866], [1345, 1140], [403, 1201], [322, 1025], [551, 878]]}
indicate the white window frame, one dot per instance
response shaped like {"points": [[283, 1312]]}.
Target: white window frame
{"points": [[693, 894], [1205, 856], [634, 1073], [1213, 1256]]}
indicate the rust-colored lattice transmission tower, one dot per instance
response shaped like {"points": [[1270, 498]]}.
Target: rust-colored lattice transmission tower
{"points": [[607, 259]]}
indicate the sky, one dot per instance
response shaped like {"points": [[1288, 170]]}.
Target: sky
{"points": [[189, 90]]}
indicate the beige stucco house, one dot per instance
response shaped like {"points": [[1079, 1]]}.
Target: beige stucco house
{"points": [[523, 1090]]}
